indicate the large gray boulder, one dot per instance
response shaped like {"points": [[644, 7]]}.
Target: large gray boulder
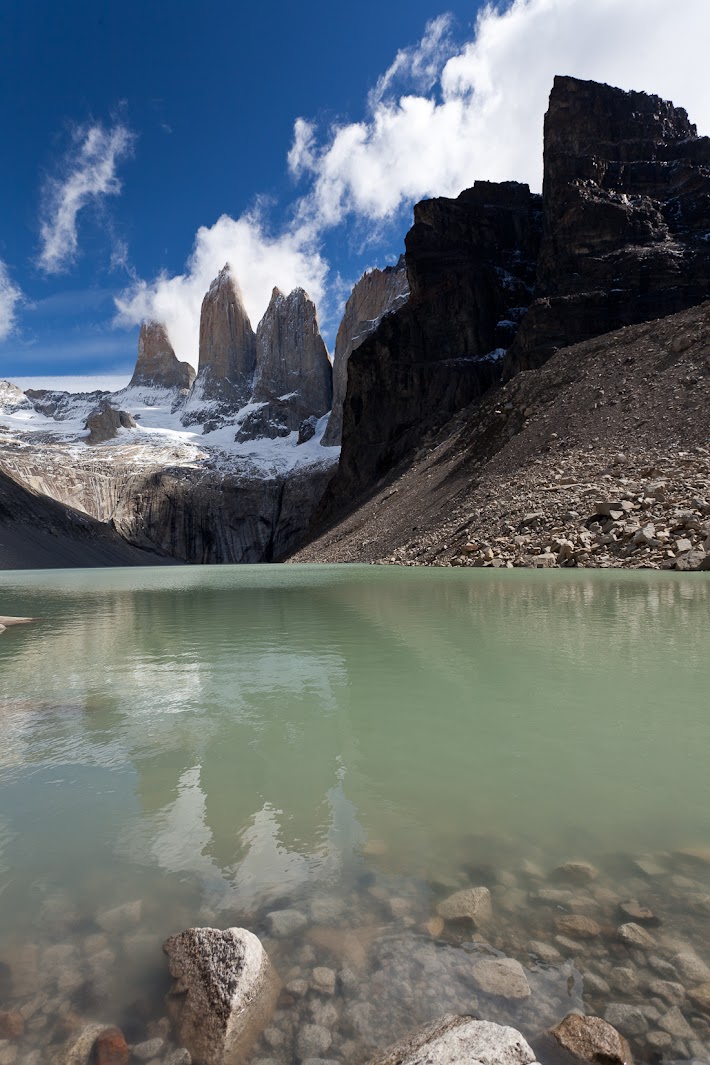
{"points": [[460, 1041], [223, 994], [157, 365]]}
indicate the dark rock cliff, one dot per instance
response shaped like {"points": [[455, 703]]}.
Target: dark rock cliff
{"points": [[157, 365], [471, 266], [626, 223]]}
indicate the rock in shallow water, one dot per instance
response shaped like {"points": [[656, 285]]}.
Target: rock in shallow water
{"points": [[472, 904], [504, 977], [591, 1039], [223, 994], [455, 1040]]}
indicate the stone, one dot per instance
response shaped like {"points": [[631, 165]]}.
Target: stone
{"points": [[595, 984], [700, 996], [157, 365], [669, 990], [12, 1024], [98, 1044], [377, 293], [504, 977], [223, 994], [181, 1056], [578, 926], [633, 935], [434, 926], [286, 923], [297, 988], [313, 1041], [152, 1048], [578, 872], [691, 967], [324, 980], [454, 1040], [227, 347], [649, 867], [675, 1024], [105, 422], [623, 979], [544, 951], [629, 1020], [659, 1040], [120, 918], [471, 904], [638, 914], [591, 1039]]}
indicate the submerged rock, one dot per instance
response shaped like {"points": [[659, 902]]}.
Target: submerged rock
{"points": [[504, 977], [455, 1040], [98, 1044], [591, 1039], [223, 994], [472, 904]]}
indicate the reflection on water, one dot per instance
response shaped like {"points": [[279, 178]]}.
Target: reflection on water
{"points": [[220, 743]]}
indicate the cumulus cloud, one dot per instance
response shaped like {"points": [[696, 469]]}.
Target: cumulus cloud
{"points": [[10, 297], [259, 259], [483, 116], [442, 115], [88, 174]]}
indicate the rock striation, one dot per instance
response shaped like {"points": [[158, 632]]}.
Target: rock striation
{"points": [[227, 355], [223, 993], [626, 199], [157, 365], [294, 377], [471, 266], [377, 293]]}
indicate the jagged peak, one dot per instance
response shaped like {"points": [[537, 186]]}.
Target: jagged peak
{"points": [[154, 331]]}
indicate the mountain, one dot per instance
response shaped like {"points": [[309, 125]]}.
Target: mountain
{"points": [[377, 293], [157, 365]]}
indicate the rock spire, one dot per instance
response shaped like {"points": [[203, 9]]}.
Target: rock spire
{"points": [[157, 365]]}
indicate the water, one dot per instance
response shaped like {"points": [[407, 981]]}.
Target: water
{"points": [[357, 743]]}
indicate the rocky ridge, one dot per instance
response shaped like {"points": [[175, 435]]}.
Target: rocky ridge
{"points": [[599, 458]]}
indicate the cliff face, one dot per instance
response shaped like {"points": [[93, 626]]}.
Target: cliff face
{"points": [[471, 265], [294, 378], [377, 293], [626, 216], [157, 365]]}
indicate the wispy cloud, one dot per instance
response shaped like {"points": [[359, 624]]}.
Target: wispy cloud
{"points": [[87, 174], [10, 297]]}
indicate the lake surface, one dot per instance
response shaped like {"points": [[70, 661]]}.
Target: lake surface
{"points": [[212, 744]]}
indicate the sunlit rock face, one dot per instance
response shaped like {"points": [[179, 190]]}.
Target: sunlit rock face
{"points": [[626, 200], [294, 378], [227, 355], [377, 293], [157, 365]]}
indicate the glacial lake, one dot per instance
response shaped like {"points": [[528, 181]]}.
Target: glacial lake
{"points": [[207, 746]]}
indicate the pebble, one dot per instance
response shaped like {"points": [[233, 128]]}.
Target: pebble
{"points": [[636, 936], [691, 967], [181, 1056], [623, 979], [313, 1041], [578, 926], [675, 1024], [629, 1020], [297, 988], [503, 977], [544, 951], [150, 1049], [668, 990], [577, 871], [472, 904], [120, 918], [324, 980]]}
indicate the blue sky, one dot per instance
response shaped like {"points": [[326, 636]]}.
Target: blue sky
{"points": [[297, 136]]}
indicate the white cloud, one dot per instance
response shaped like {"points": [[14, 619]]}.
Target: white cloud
{"points": [[483, 117], [89, 173], [260, 261], [472, 110], [10, 296]]}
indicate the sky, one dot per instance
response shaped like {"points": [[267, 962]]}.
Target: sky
{"points": [[142, 146]]}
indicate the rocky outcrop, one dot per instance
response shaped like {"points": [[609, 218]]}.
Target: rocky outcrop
{"points": [[223, 994], [377, 293], [205, 516], [104, 422], [460, 1039], [13, 399], [227, 357], [157, 365], [626, 217], [294, 377], [39, 533], [471, 265]]}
